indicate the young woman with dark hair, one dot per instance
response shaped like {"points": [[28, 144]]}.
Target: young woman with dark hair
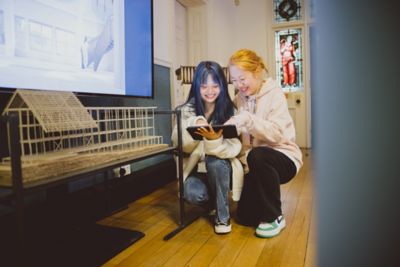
{"points": [[211, 168]]}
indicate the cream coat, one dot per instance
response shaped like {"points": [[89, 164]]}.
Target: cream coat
{"points": [[221, 148], [264, 120]]}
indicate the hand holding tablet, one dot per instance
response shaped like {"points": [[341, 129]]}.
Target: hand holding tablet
{"points": [[228, 131]]}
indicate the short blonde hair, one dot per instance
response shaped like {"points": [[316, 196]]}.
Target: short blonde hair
{"points": [[248, 60]]}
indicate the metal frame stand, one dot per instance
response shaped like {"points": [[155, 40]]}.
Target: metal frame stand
{"points": [[183, 221]]}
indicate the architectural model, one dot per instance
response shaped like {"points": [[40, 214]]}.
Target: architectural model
{"points": [[58, 135]]}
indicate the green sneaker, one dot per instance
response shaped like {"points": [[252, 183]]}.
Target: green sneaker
{"points": [[272, 229]]}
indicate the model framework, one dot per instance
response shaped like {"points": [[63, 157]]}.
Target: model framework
{"points": [[59, 135]]}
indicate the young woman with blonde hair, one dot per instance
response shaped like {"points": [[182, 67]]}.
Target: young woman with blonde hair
{"points": [[269, 152]]}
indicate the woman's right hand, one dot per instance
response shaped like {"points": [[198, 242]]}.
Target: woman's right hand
{"points": [[209, 133]]}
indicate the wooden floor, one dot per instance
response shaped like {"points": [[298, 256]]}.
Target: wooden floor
{"points": [[197, 245]]}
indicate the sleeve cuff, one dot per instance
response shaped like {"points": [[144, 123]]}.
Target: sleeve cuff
{"points": [[214, 142], [192, 120]]}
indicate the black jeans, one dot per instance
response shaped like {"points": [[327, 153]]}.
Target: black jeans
{"points": [[261, 196]]}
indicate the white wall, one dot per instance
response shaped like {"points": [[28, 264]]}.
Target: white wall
{"points": [[233, 27], [229, 28], [164, 31]]}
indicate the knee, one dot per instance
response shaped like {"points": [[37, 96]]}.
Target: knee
{"points": [[259, 156], [214, 164], [195, 197], [255, 155], [195, 193]]}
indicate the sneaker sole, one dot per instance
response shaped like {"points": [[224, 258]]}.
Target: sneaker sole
{"points": [[263, 234], [223, 229]]}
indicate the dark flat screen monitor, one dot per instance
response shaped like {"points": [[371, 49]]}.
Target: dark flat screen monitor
{"points": [[84, 46]]}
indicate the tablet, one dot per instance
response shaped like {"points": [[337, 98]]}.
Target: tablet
{"points": [[228, 131]]}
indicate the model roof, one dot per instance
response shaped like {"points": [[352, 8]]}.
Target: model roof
{"points": [[55, 110]]}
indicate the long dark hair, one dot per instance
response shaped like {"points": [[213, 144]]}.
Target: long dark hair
{"points": [[224, 107]]}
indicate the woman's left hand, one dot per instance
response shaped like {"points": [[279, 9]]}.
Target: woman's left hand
{"points": [[209, 133], [240, 120]]}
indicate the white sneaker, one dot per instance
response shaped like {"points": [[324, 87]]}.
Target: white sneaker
{"points": [[272, 229], [222, 228]]}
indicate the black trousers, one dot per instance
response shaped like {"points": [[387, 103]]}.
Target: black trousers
{"points": [[261, 195]]}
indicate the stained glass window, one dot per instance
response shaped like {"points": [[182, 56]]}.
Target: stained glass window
{"points": [[287, 10], [289, 59]]}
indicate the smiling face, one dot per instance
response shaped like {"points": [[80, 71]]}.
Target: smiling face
{"points": [[245, 81], [209, 91]]}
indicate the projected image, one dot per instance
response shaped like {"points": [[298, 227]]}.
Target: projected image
{"points": [[2, 40], [77, 45], [93, 49], [62, 45]]}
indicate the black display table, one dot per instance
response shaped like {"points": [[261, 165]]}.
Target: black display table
{"points": [[91, 244]]}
